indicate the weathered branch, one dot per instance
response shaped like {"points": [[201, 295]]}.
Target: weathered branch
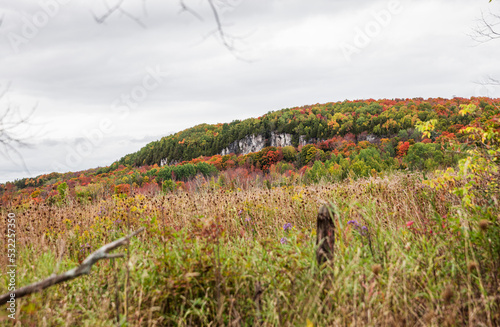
{"points": [[325, 234], [220, 30], [486, 29], [226, 39], [186, 8], [9, 130], [83, 269], [117, 8]]}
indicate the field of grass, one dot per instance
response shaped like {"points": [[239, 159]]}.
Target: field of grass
{"points": [[405, 255]]}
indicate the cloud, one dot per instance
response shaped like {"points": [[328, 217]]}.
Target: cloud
{"points": [[75, 70]]}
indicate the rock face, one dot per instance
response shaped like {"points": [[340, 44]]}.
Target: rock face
{"points": [[255, 143], [369, 137], [250, 143], [281, 140], [165, 162], [304, 141]]}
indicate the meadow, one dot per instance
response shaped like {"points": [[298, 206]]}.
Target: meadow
{"points": [[406, 254]]}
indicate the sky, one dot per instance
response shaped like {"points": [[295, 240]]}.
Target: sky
{"points": [[94, 92]]}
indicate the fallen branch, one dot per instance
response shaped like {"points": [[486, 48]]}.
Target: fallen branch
{"points": [[83, 269]]}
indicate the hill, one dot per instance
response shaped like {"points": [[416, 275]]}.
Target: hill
{"points": [[331, 142], [303, 125]]}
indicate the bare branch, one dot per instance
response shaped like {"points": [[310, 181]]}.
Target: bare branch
{"points": [[228, 42], [491, 81], [83, 269], [117, 8], [135, 19], [10, 121], [102, 18], [486, 28], [185, 8]]}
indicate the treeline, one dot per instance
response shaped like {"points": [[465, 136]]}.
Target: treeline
{"points": [[382, 118], [400, 146]]}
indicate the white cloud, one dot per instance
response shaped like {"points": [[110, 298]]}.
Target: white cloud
{"points": [[74, 69]]}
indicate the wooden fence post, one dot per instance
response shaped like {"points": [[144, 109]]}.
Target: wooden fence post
{"points": [[325, 234]]}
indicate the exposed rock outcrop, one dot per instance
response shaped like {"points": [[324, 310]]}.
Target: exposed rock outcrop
{"points": [[304, 141], [255, 143], [281, 140], [250, 143]]}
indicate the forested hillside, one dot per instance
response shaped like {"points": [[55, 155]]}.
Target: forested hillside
{"points": [[382, 118], [348, 139]]}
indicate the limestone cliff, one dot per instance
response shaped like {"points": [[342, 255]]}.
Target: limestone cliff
{"points": [[255, 143]]}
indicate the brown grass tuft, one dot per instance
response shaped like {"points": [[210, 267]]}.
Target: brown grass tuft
{"points": [[472, 266], [376, 269], [483, 225], [447, 294]]}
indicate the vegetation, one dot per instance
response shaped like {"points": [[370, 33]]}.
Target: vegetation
{"points": [[230, 240], [344, 152], [382, 118], [205, 255]]}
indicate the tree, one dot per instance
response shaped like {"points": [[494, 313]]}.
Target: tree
{"points": [[476, 182]]}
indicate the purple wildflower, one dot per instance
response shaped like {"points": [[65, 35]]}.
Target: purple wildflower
{"points": [[287, 226], [283, 240]]}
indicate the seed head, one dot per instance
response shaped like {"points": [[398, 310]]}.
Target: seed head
{"points": [[447, 294], [472, 266], [376, 269], [483, 225], [429, 316]]}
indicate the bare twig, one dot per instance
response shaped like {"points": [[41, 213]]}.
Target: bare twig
{"points": [[186, 8], [225, 40], [101, 19], [486, 28], [10, 121], [83, 269], [117, 8]]}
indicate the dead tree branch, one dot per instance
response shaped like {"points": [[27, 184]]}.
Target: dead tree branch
{"points": [[118, 8], [487, 28], [215, 9], [186, 8], [10, 122], [83, 269], [220, 31]]}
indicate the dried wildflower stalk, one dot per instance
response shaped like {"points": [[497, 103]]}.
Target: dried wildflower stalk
{"points": [[83, 269]]}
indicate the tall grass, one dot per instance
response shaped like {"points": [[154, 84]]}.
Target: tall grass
{"points": [[220, 256]]}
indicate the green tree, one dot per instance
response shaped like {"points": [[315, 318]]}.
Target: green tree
{"points": [[424, 156]]}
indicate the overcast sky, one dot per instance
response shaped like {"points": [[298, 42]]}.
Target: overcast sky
{"points": [[101, 91]]}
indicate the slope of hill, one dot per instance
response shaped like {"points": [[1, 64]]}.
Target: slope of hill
{"points": [[331, 142], [302, 125]]}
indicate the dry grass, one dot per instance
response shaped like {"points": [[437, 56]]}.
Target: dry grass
{"points": [[214, 257]]}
